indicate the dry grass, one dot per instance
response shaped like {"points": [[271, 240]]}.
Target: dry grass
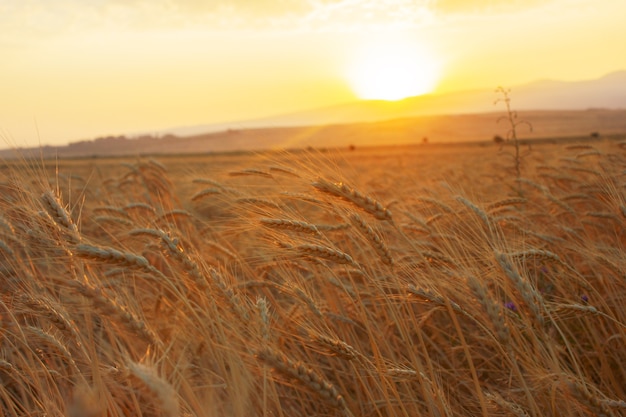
{"points": [[130, 288]]}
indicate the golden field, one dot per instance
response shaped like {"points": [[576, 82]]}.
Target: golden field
{"points": [[401, 281]]}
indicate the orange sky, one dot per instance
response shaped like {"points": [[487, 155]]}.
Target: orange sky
{"points": [[78, 69]]}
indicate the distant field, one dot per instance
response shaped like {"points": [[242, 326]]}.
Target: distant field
{"points": [[445, 129], [393, 281]]}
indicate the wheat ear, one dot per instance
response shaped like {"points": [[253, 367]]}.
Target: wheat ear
{"points": [[250, 172], [6, 249], [507, 405], [160, 388], [337, 347], [306, 376], [59, 214], [477, 210], [377, 243], [139, 206], [434, 298], [291, 225], [229, 295], [596, 400], [532, 299], [324, 252], [284, 170], [110, 255], [492, 309], [435, 202], [57, 211], [264, 315], [205, 193], [172, 246], [110, 308], [52, 315], [343, 191], [54, 342], [507, 202], [85, 403]]}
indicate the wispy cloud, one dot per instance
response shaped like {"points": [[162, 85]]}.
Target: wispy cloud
{"points": [[368, 14], [43, 17], [483, 6]]}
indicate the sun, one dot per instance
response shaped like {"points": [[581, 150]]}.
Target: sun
{"points": [[392, 71]]}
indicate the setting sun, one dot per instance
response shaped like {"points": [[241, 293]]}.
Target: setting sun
{"points": [[393, 72]]}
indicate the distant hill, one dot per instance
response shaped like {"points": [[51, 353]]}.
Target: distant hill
{"points": [[407, 130], [607, 92], [555, 108]]}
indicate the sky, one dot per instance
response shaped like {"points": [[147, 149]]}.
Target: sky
{"points": [[79, 69]]}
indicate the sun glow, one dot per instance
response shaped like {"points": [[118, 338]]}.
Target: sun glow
{"points": [[393, 71]]}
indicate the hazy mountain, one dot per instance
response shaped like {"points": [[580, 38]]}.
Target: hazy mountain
{"points": [[606, 92]]}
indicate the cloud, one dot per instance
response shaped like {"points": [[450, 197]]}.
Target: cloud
{"points": [[253, 7], [44, 17], [364, 14], [316, 14], [483, 6]]}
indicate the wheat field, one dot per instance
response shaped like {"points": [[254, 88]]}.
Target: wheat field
{"points": [[417, 281]]}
